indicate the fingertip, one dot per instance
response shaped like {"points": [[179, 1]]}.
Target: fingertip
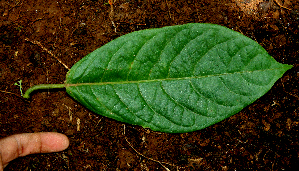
{"points": [[53, 142]]}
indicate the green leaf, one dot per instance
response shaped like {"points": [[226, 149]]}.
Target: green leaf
{"points": [[174, 79]]}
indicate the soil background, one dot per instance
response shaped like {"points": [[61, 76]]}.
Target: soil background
{"points": [[263, 136]]}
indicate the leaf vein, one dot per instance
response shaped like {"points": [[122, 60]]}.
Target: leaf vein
{"points": [[184, 107], [134, 59], [181, 51], [123, 102], [211, 48], [102, 104], [82, 99], [106, 67], [202, 95], [154, 109], [229, 89], [165, 45]]}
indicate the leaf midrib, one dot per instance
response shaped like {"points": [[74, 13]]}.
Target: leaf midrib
{"points": [[164, 79]]}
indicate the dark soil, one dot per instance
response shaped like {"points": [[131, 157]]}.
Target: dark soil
{"points": [[263, 136]]}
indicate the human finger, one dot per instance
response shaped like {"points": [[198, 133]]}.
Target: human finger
{"points": [[29, 143]]}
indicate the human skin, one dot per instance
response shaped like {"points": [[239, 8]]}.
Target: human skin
{"points": [[19, 145]]}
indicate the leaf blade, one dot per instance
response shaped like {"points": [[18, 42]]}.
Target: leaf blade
{"points": [[174, 79]]}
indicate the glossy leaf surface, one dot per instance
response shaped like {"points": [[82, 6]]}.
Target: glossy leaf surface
{"points": [[174, 79]]}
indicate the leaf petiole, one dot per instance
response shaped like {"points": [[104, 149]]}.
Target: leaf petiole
{"points": [[42, 86]]}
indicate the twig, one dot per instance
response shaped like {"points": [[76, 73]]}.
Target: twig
{"points": [[157, 161], [281, 6], [291, 94], [168, 6], [111, 14], [49, 52], [7, 92], [17, 4]]}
